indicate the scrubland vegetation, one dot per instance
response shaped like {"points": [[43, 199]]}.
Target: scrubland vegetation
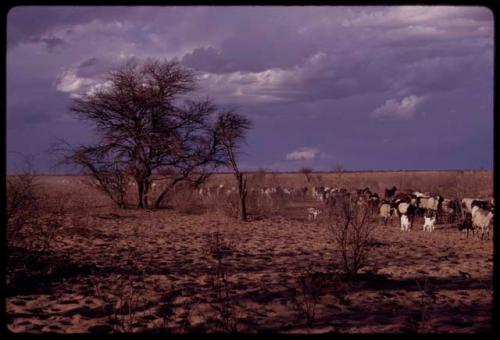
{"points": [[79, 263]]}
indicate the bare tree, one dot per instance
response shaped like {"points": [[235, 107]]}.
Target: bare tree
{"points": [[145, 128], [307, 171], [231, 130]]}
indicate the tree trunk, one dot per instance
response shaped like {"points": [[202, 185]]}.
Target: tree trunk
{"points": [[242, 195], [160, 198], [140, 191], [167, 190], [146, 193]]}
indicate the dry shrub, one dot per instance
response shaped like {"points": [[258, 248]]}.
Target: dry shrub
{"points": [[125, 307], [308, 295], [307, 171], [318, 181], [265, 205], [112, 183], [229, 205], [34, 223], [258, 179], [224, 305], [81, 220], [420, 320], [186, 200], [257, 204], [348, 222], [23, 207], [33, 219]]}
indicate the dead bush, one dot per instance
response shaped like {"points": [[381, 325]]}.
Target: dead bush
{"points": [[265, 205], [124, 307], [308, 295], [307, 171], [34, 223], [258, 178], [223, 305], [185, 200], [33, 218], [352, 233], [420, 320], [23, 206], [230, 205], [112, 183]]}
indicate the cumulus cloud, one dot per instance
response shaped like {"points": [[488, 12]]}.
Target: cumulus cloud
{"points": [[303, 154], [401, 110], [70, 82]]}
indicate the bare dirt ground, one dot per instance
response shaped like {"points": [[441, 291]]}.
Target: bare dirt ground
{"points": [[140, 271]]}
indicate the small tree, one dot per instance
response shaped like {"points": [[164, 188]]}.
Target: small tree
{"points": [[143, 128], [339, 170], [307, 171], [231, 130]]}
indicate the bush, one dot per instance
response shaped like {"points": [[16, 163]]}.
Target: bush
{"points": [[224, 306], [265, 205], [185, 200], [307, 171], [230, 205], [348, 223], [23, 207], [33, 220]]}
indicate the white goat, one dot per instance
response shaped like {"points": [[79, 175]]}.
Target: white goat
{"points": [[429, 203], [429, 223], [403, 207], [482, 218], [467, 204], [405, 223], [385, 212], [312, 213]]}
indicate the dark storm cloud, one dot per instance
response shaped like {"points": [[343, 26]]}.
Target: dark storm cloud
{"points": [[340, 84], [24, 22]]}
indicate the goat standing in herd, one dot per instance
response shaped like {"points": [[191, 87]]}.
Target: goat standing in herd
{"points": [[312, 213], [405, 223], [482, 219], [468, 214], [429, 222]]}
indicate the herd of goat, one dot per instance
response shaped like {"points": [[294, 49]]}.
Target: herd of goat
{"points": [[468, 214]]}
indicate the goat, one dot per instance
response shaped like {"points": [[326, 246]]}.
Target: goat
{"points": [[466, 224], [451, 208], [405, 223], [429, 221], [389, 192], [385, 211], [312, 213], [482, 218], [430, 203]]}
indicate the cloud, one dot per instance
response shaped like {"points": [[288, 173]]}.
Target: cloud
{"points": [[318, 69], [208, 59], [50, 41], [400, 110], [425, 20], [70, 82], [303, 154]]}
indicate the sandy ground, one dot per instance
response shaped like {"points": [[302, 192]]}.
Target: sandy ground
{"points": [[139, 271]]}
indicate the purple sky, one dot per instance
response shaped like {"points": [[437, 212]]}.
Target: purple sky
{"points": [[366, 87]]}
